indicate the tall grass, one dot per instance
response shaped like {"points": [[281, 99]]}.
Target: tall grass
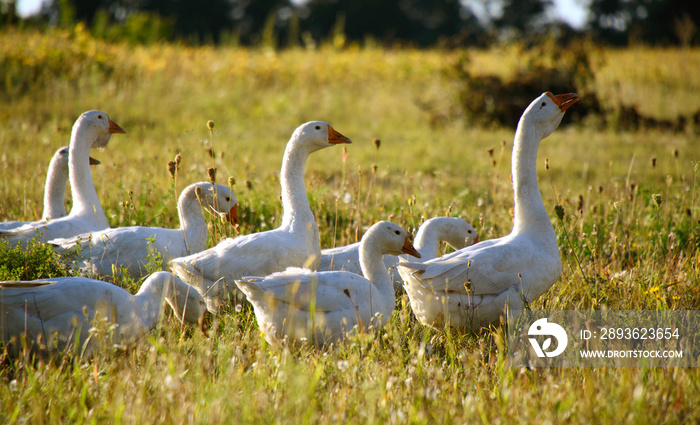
{"points": [[621, 247]]}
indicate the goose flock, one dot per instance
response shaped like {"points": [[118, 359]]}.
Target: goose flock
{"points": [[300, 293]]}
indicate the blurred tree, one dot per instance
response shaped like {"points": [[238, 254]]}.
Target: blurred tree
{"points": [[8, 12], [522, 17], [620, 22], [250, 18], [422, 22]]}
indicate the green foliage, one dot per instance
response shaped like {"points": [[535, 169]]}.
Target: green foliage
{"points": [[30, 63], [490, 100], [35, 261]]}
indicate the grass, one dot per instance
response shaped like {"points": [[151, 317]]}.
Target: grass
{"points": [[622, 251]]}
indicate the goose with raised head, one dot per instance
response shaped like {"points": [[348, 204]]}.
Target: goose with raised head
{"points": [[294, 243], [454, 231], [82, 316], [322, 307], [110, 251], [471, 288], [54, 191], [92, 129]]}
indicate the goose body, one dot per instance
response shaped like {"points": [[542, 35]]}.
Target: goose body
{"points": [[54, 191], [322, 307], [91, 130], [55, 315], [294, 243], [454, 231], [470, 288], [110, 251]]}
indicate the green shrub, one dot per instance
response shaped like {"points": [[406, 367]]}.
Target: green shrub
{"points": [[33, 261]]}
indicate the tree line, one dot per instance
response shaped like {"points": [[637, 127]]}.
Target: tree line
{"points": [[419, 23]]}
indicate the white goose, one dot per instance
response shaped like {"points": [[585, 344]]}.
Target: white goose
{"points": [[51, 316], [456, 232], [294, 243], [54, 190], [91, 130], [470, 288], [321, 307], [109, 251]]}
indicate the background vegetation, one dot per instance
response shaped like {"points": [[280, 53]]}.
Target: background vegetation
{"points": [[629, 237], [418, 23]]}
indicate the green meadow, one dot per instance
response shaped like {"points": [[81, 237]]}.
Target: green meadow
{"points": [[629, 237]]}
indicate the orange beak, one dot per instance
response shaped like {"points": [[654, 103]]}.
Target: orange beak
{"points": [[564, 101], [409, 249], [233, 215], [334, 137], [476, 240], [114, 128]]}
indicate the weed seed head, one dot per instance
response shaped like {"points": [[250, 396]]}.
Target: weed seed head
{"points": [[559, 211], [377, 143], [172, 168], [211, 172], [210, 125], [231, 182], [656, 199]]}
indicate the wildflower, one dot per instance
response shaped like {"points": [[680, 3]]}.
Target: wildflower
{"points": [[231, 182], [657, 199]]}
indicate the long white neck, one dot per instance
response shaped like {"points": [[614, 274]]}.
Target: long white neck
{"points": [[530, 214], [374, 270], [149, 301], [55, 190], [427, 241], [85, 200], [187, 304], [297, 212], [192, 223]]}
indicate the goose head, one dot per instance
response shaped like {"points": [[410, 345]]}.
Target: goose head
{"points": [[545, 112], [390, 238], [220, 201], [187, 304], [315, 135], [97, 126], [462, 235]]}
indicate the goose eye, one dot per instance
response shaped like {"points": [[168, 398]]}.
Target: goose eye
{"points": [[469, 231], [99, 117], [318, 127], [543, 105], [397, 232], [228, 199]]}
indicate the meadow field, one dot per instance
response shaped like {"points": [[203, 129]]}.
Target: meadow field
{"points": [[629, 238]]}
